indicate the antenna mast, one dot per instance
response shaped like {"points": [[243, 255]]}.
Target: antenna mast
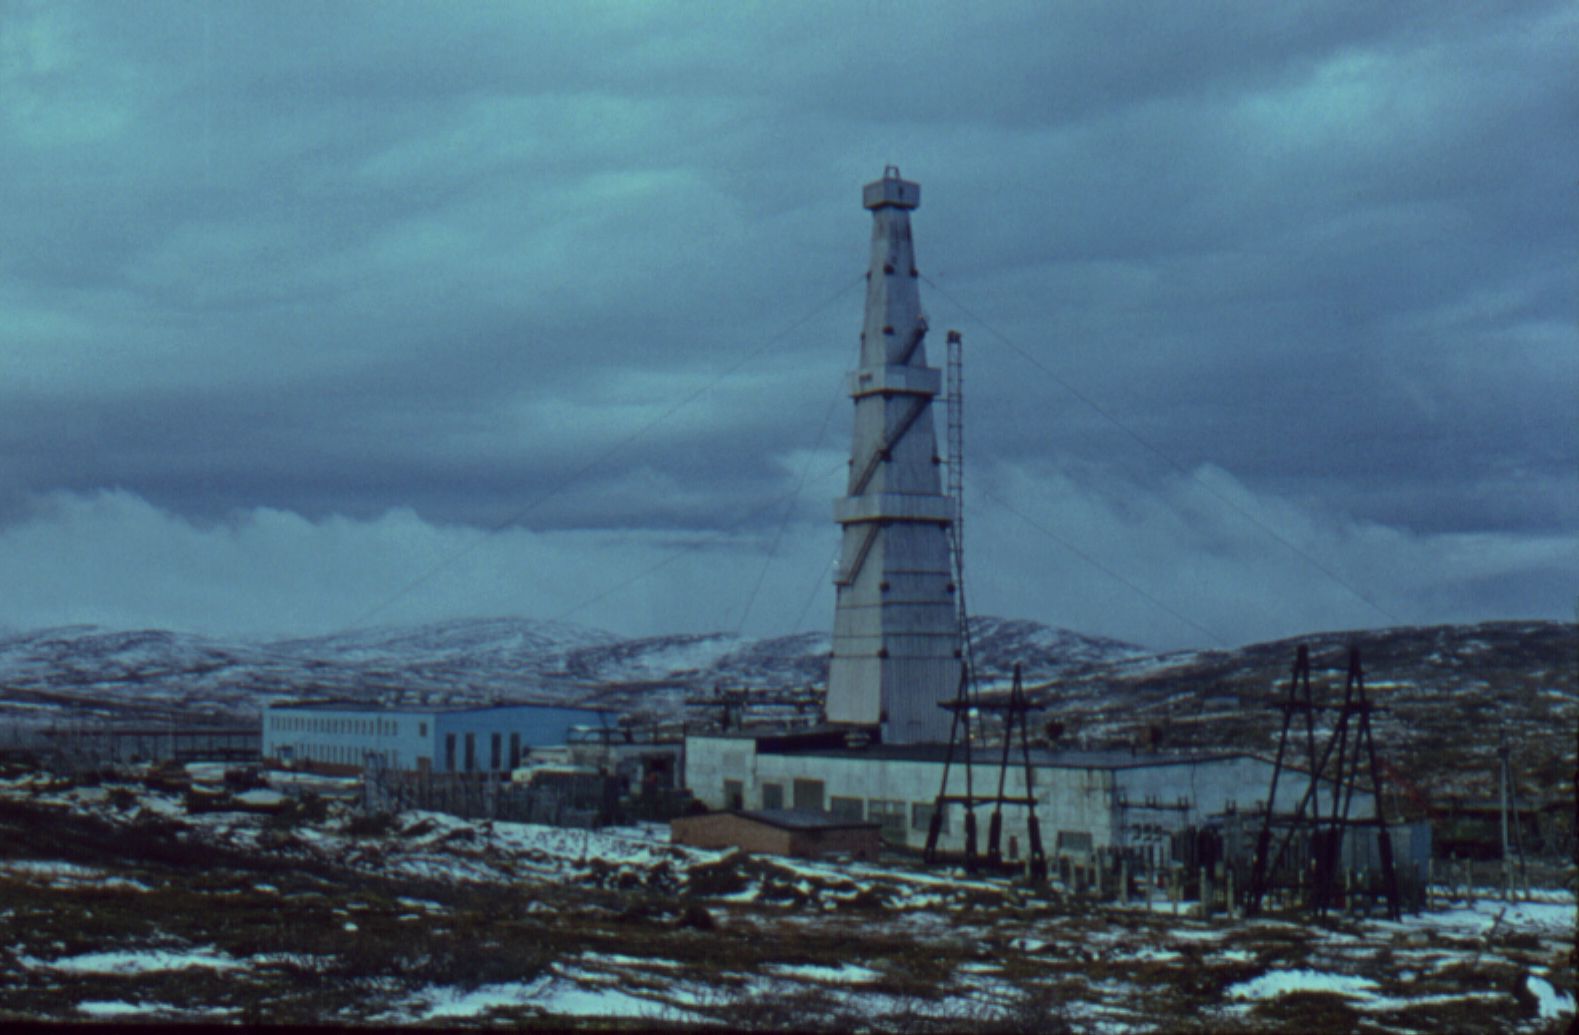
{"points": [[956, 470]]}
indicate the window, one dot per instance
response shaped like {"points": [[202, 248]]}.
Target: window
{"points": [[808, 794], [495, 753], [921, 817], [449, 752], [846, 808], [1076, 842], [422, 729], [471, 752], [515, 750], [773, 796], [734, 794], [891, 814]]}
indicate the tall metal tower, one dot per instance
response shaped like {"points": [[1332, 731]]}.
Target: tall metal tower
{"points": [[896, 633]]}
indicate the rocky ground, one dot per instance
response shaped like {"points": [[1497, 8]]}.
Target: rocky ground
{"points": [[118, 902]]}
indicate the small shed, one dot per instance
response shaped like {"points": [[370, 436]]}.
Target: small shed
{"points": [[796, 832]]}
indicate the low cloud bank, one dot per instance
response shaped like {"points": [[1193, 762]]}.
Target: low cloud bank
{"points": [[1169, 565]]}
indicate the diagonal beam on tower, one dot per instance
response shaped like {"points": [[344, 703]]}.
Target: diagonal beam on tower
{"points": [[896, 640]]}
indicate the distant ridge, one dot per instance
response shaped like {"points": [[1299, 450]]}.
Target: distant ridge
{"points": [[1451, 689]]}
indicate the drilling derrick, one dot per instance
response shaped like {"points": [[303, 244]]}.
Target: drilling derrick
{"points": [[896, 634]]}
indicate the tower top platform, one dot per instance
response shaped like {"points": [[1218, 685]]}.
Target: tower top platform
{"points": [[891, 191]]}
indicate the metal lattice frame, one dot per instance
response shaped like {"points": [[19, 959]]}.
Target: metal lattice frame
{"points": [[1325, 833]]}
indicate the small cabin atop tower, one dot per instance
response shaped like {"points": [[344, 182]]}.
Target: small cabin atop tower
{"points": [[891, 191]]}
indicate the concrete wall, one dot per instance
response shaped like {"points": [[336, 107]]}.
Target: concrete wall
{"points": [[710, 761], [1156, 801], [1113, 806], [537, 726], [1068, 799], [345, 736], [728, 830]]}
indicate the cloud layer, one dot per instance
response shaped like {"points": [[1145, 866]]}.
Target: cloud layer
{"points": [[1166, 570], [295, 288]]}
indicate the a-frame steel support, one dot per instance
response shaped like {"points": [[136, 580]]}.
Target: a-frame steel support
{"points": [[1325, 832]]}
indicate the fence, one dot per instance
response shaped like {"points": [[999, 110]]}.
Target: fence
{"points": [[576, 800], [78, 747]]}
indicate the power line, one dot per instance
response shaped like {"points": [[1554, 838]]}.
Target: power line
{"points": [[816, 587], [597, 461], [789, 508], [1156, 451], [681, 551]]}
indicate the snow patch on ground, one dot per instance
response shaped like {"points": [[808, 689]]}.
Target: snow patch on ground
{"points": [[1553, 1004], [141, 962], [121, 1008], [848, 973], [554, 996], [1279, 982]]}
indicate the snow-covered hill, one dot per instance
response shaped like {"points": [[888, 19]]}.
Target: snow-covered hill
{"points": [[1451, 691], [84, 668]]}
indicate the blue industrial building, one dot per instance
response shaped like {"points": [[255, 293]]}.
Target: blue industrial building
{"points": [[346, 736]]}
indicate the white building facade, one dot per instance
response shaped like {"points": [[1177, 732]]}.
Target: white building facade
{"points": [[1085, 801], [348, 735]]}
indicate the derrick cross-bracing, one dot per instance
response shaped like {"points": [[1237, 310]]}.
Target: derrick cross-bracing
{"points": [[897, 651], [1016, 709], [1325, 833]]}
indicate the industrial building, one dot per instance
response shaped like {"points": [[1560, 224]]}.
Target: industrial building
{"points": [[1087, 802], [897, 663], [348, 736]]}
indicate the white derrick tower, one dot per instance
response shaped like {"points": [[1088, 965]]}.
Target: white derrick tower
{"points": [[896, 634]]}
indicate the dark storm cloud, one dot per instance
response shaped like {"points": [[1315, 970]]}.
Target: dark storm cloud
{"points": [[596, 268]]}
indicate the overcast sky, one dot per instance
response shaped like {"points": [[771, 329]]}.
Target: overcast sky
{"points": [[320, 315]]}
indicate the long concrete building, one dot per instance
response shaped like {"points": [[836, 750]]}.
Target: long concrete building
{"points": [[896, 647], [1086, 802]]}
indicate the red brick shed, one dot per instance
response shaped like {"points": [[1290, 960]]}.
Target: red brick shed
{"points": [[805, 834]]}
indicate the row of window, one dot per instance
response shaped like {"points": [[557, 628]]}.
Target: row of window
{"points": [[460, 752], [338, 724], [337, 754], [890, 813], [468, 757], [808, 794]]}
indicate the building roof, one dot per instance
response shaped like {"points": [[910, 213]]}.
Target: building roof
{"points": [[1041, 758], [802, 819], [332, 705]]}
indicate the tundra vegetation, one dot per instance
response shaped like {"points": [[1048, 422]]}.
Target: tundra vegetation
{"points": [[119, 902]]}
